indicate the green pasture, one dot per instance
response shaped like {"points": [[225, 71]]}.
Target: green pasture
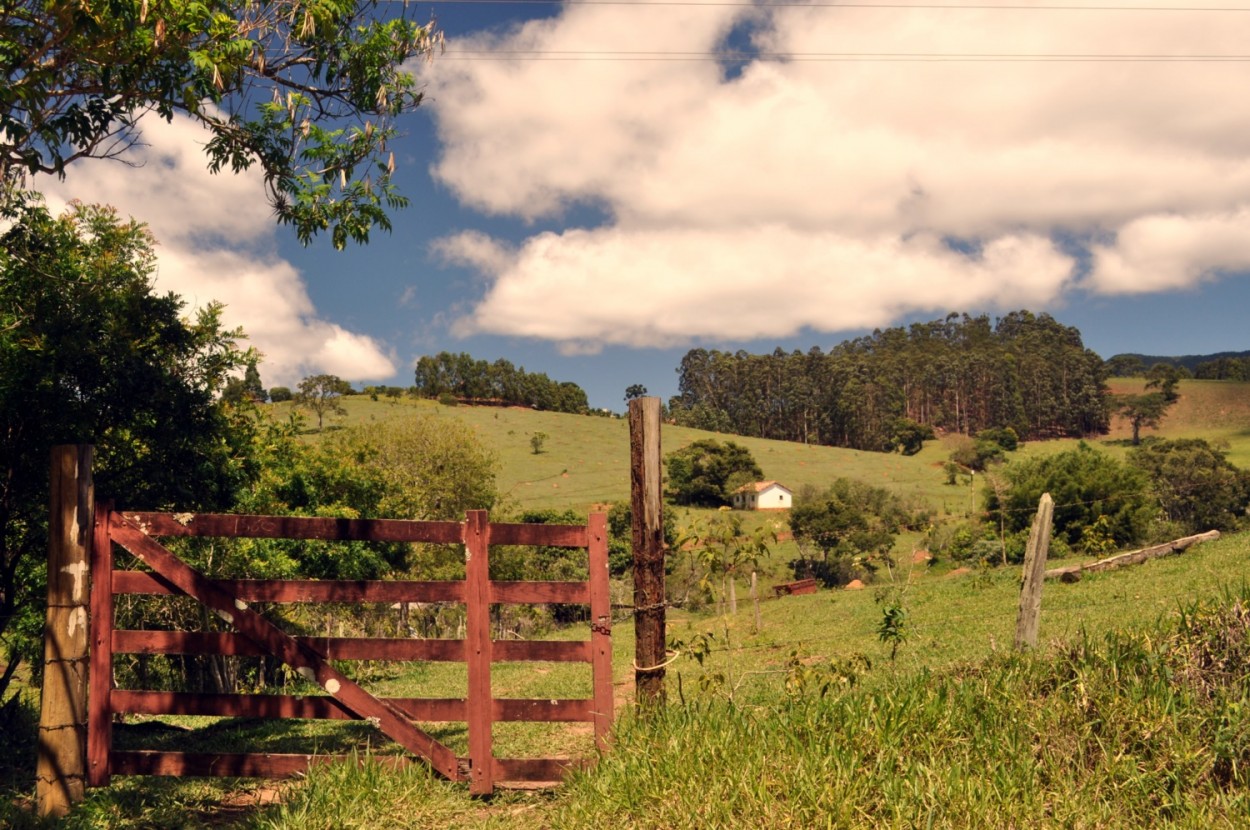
{"points": [[805, 720], [585, 459]]}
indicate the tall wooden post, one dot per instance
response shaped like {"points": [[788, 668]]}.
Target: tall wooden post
{"points": [[645, 474], [1034, 574], [61, 770], [477, 649]]}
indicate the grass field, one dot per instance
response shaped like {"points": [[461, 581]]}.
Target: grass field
{"points": [[951, 732], [585, 460]]}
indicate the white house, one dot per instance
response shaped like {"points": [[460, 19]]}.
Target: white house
{"points": [[763, 495]]}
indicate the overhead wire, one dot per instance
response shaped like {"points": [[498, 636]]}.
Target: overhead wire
{"points": [[858, 57], [1012, 7], [832, 57]]}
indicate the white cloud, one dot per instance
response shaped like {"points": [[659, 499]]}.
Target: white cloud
{"points": [[817, 193], [215, 237], [1160, 253]]}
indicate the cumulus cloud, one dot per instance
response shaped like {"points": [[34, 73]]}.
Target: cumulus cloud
{"points": [[216, 242], [843, 178]]}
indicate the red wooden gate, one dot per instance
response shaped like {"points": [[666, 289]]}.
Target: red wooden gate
{"points": [[254, 635]]}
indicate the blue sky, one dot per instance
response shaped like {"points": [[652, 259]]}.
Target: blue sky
{"points": [[593, 218]]}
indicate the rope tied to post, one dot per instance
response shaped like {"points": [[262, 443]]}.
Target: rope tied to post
{"points": [[666, 663]]}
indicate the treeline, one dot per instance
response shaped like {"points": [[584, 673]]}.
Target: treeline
{"points": [[462, 377], [959, 374], [1224, 368]]}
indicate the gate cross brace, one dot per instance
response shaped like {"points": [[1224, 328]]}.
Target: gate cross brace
{"points": [[302, 658]]}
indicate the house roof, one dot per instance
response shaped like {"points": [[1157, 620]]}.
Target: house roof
{"points": [[761, 486]]}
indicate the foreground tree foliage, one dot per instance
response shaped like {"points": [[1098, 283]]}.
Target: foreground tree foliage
{"points": [[1027, 372], [421, 467], [89, 353], [306, 92], [706, 472]]}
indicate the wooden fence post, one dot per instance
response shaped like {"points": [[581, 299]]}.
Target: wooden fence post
{"points": [[1034, 570], [61, 771], [648, 544], [755, 599], [477, 647]]}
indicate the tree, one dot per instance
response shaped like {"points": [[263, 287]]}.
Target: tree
{"points": [[279, 394], [849, 524], [726, 550], [706, 472], [1196, 485], [247, 388], [322, 394], [908, 437], [1125, 366], [251, 382], [1086, 486], [636, 390], [89, 353], [536, 442], [307, 93], [1164, 377], [1145, 410]]}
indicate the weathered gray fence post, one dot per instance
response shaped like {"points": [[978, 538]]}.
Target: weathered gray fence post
{"points": [[755, 599], [1034, 571], [61, 770], [645, 474]]}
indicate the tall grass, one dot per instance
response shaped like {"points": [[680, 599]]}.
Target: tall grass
{"points": [[1127, 730]]}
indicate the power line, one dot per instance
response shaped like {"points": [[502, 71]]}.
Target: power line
{"points": [[832, 57], [783, 4]]}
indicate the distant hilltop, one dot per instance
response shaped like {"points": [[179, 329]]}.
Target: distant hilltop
{"points": [[1131, 363]]}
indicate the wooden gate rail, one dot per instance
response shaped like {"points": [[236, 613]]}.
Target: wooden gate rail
{"points": [[256, 636]]}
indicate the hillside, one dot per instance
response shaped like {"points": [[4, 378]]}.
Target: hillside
{"points": [[811, 719], [585, 460]]}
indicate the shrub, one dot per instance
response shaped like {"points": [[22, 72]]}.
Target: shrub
{"points": [[1085, 485], [1195, 484]]}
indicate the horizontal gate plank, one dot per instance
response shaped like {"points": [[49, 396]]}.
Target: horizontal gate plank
{"points": [[552, 536], [296, 527], [334, 648], [315, 707], [304, 590], [350, 648], [541, 651], [543, 711], [540, 592], [320, 707]]}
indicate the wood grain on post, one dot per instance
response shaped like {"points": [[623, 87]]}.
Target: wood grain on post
{"points": [[477, 651], [601, 628], [645, 474], [61, 770], [1034, 570], [100, 679]]}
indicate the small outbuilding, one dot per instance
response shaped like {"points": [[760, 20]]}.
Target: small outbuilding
{"points": [[763, 495]]}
